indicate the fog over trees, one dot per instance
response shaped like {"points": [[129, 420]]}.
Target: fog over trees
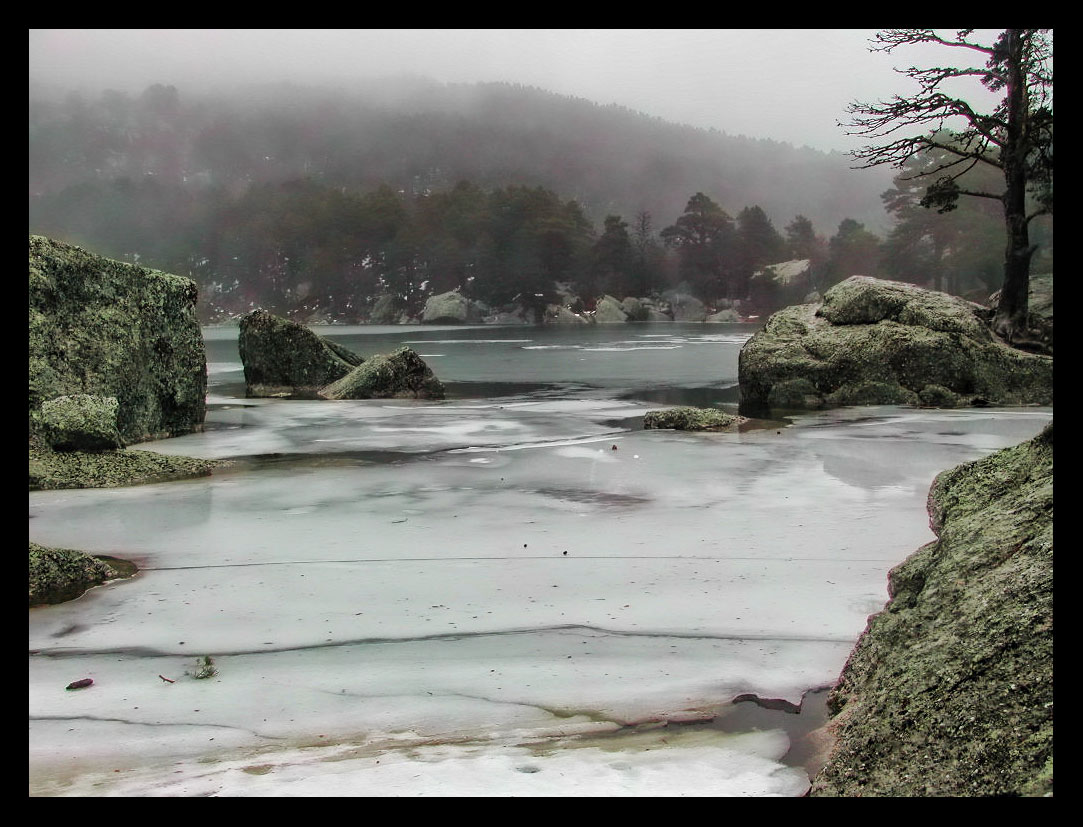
{"points": [[314, 201]]}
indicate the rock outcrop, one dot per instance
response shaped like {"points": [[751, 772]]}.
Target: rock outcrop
{"points": [[401, 374], [873, 342], [949, 692], [285, 359], [451, 308], [104, 328], [609, 310], [688, 418]]}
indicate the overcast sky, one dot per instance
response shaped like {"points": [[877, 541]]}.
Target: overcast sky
{"points": [[785, 84]]}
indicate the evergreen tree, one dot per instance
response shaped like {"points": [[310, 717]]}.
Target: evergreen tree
{"points": [[704, 238], [1016, 138]]}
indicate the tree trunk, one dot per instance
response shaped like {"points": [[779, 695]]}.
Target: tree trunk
{"points": [[1011, 313]]}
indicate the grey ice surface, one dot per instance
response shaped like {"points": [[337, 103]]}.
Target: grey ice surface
{"points": [[470, 589]]}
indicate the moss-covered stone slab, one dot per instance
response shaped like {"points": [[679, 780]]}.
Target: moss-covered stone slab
{"points": [[949, 692], [285, 359], [401, 374], [878, 342], [110, 329], [51, 470], [58, 575], [81, 422], [687, 418]]}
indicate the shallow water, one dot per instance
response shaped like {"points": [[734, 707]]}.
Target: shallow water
{"points": [[462, 597]]}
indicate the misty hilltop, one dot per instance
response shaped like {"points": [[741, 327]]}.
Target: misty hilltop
{"points": [[415, 135]]}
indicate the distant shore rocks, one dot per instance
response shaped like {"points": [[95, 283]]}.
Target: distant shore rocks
{"points": [[688, 418], [452, 307], [873, 342], [285, 359], [949, 692]]}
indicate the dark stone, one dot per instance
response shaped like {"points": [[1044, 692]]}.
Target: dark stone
{"points": [[286, 359]]}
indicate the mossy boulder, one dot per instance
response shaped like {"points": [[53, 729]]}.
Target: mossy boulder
{"points": [[608, 310], [285, 359], [81, 422], [58, 574], [109, 329], [451, 307], [51, 470], [949, 692], [402, 373], [685, 307], [873, 342], [687, 418]]}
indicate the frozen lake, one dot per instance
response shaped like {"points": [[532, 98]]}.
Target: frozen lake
{"points": [[504, 593]]}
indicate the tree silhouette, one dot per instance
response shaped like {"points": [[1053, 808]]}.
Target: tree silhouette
{"points": [[1016, 137]]}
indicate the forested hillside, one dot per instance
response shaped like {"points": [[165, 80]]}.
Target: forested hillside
{"points": [[315, 201]]}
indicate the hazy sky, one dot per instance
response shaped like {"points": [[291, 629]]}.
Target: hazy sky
{"points": [[785, 84]]}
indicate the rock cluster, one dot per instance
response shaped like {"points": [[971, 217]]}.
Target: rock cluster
{"points": [[949, 692], [285, 359], [873, 342]]}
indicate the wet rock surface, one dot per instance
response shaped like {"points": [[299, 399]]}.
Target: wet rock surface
{"points": [[949, 692]]}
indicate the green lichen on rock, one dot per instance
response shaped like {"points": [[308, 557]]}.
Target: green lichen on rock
{"points": [[285, 359], [110, 329], [949, 691], [878, 342], [81, 422], [51, 470], [401, 374], [687, 418], [58, 574]]}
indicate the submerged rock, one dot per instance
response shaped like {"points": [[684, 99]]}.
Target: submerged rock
{"points": [[399, 374], [109, 329], [283, 358], [691, 419], [872, 341], [57, 574], [949, 692]]}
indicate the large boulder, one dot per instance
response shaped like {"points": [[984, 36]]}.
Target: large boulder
{"points": [[104, 328], [450, 308], [873, 342], [608, 310], [285, 359], [685, 307], [402, 373], [949, 692]]}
